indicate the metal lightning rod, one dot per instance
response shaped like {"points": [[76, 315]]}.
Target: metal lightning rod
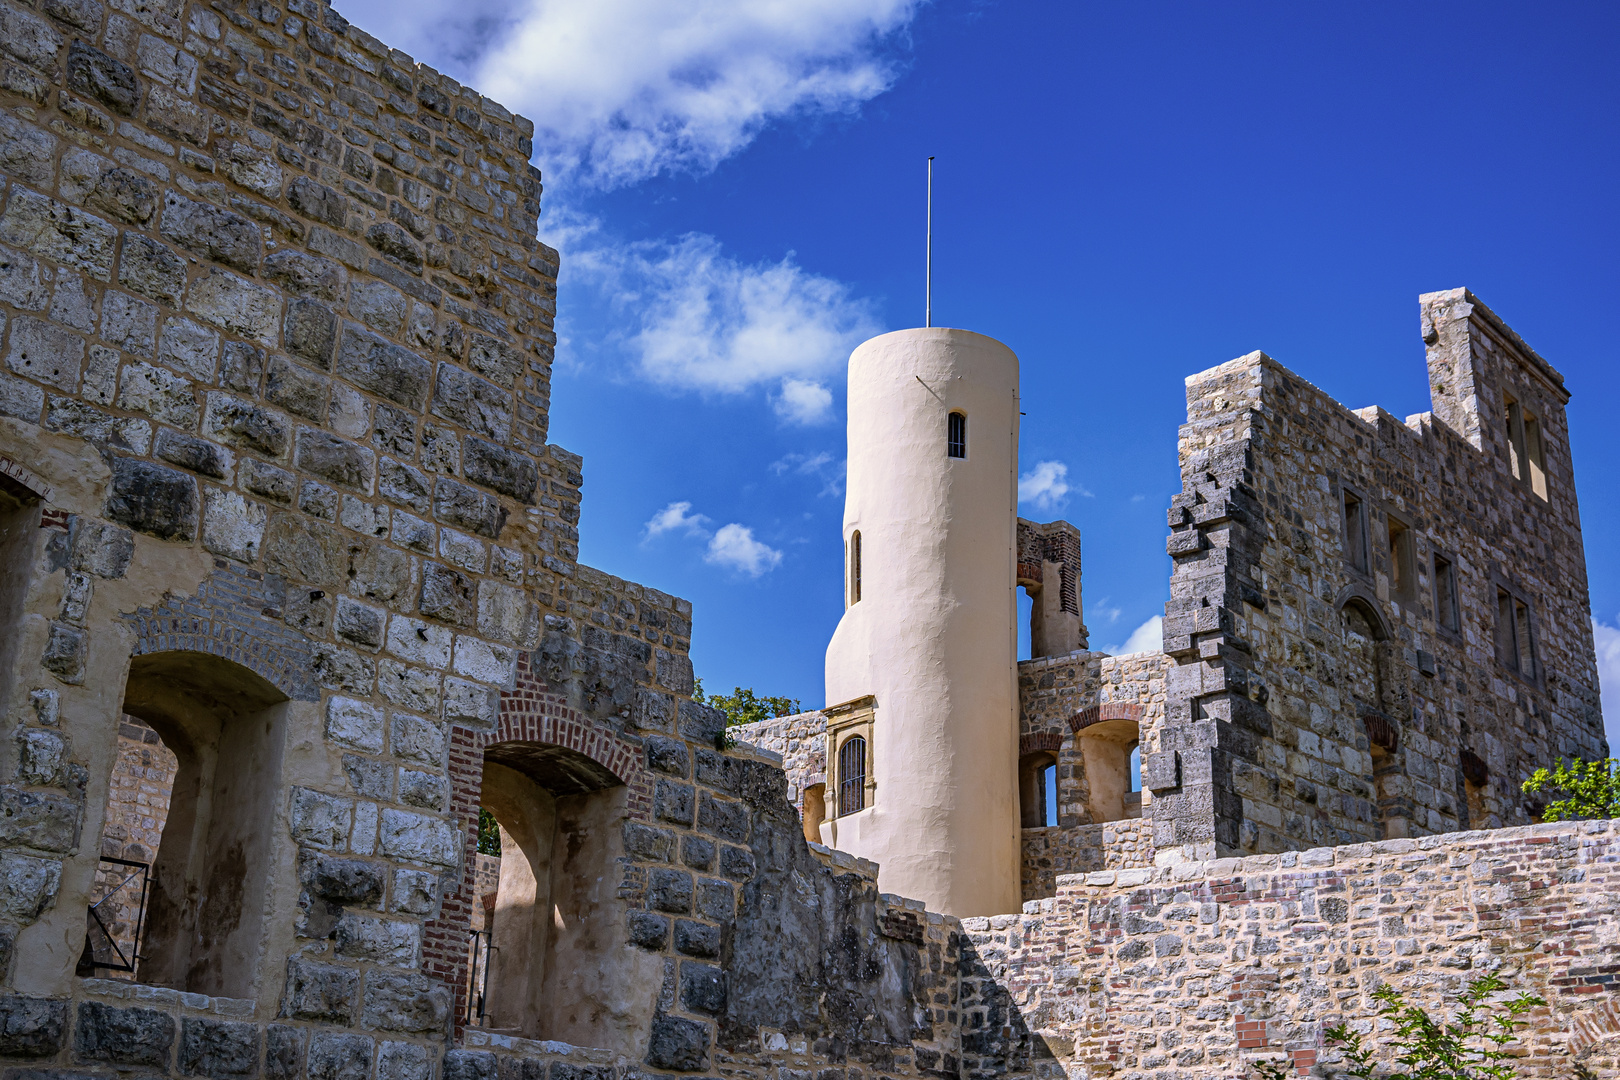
{"points": [[928, 273]]}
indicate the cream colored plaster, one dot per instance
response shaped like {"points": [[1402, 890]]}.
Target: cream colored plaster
{"points": [[933, 637]]}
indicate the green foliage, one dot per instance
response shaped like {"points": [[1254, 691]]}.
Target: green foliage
{"points": [[1591, 789], [743, 706], [489, 834], [1472, 1045]]}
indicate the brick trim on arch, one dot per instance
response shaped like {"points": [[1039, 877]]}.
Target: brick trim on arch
{"points": [[1113, 710], [236, 614], [531, 711], [1591, 1025], [1040, 740]]}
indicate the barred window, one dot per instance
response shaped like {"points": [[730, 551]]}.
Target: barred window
{"points": [[852, 775], [956, 435]]}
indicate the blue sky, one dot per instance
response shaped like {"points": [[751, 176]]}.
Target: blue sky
{"points": [[1126, 194]]}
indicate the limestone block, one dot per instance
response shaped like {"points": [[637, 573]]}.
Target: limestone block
{"points": [[380, 307], [46, 353], [41, 756], [95, 74], [188, 348], [233, 526], [703, 988], [678, 1044], [93, 181], [470, 704], [464, 551], [463, 398], [152, 499], [354, 723], [352, 882], [27, 885], [314, 201], [458, 504], [415, 892], [441, 449], [648, 843], [506, 471], [57, 231], [71, 305], [305, 274], [244, 424], [258, 172], [197, 455], [128, 1037], [398, 482], [304, 550], [485, 661], [408, 687], [310, 331], [419, 642], [21, 399], [128, 323], [393, 430], [359, 623], [669, 890], [320, 992], [344, 463], [167, 63], [674, 803], [420, 838], [149, 268], [447, 594], [26, 152], [414, 738], [21, 283], [384, 941], [506, 614], [426, 790], [220, 1049], [158, 393], [283, 1052], [319, 819], [495, 360], [267, 481], [375, 364], [31, 1027], [41, 820], [405, 1002], [235, 305], [470, 1065], [393, 242], [403, 1061], [211, 232]]}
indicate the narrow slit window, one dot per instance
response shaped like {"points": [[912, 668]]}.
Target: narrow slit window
{"points": [[1515, 437], [855, 567], [1507, 646], [956, 435], [852, 775], [1445, 593], [1535, 456], [1355, 532], [1522, 637], [1402, 583]]}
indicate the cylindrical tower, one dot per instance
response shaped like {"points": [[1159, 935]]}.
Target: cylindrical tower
{"points": [[923, 665]]}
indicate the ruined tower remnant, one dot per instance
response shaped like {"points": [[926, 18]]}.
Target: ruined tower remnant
{"points": [[921, 672]]}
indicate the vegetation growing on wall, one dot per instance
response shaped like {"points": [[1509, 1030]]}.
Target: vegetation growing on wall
{"points": [[1591, 789]]}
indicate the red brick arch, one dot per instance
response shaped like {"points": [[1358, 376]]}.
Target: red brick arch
{"points": [[1114, 710], [1040, 740]]}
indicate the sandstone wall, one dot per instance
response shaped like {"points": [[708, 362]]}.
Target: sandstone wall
{"points": [[1196, 969], [1278, 704]]}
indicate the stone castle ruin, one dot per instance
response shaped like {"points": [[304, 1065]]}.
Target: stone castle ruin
{"points": [[290, 590]]}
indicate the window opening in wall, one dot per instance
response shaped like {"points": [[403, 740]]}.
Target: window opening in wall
{"points": [[19, 536], [852, 775], [1523, 639], [1136, 768], [1535, 456], [956, 435], [1445, 593], [1515, 437], [224, 728], [555, 925], [1355, 532], [1037, 790], [855, 567], [1402, 561], [815, 811], [1106, 754], [1507, 649]]}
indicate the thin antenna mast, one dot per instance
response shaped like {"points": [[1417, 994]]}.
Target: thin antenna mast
{"points": [[928, 273]]}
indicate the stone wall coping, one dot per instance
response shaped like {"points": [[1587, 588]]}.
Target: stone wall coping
{"points": [[843, 860], [476, 1037], [119, 990], [1039, 662], [756, 753]]}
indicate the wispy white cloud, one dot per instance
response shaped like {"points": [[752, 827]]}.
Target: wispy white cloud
{"points": [[1104, 609], [820, 465], [1149, 637], [1046, 487], [694, 318], [734, 546], [677, 516], [621, 90], [803, 402], [1607, 640]]}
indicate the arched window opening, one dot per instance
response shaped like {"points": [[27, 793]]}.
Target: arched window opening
{"points": [[956, 435], [852, 775], [1037, 790], [1106, 753], [557, 927], [815, 811], [224, 729], [854, 567]]}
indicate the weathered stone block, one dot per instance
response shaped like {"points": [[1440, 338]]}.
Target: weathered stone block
{"points": [[310, 331], [496, 360], [647, 843], [697, 939], [697, 852], [419, 838], [189, 452], [211, 232], [305, 274], [354, 723], [447, 594], [403, 1061], [458, 504], [703, 988], [417, 739], [383, 941], [396, 244], [678, 1044], [506, 471], [405, 1002], [149, 268], [426, 790], [247, 425], [470, 1065], [188, 348], [669, 890], [46, 353], [668, 756], [380, 307], [339, 1055], [152, 499], [342, 881], [319, 819], [112, 82], [716, 900], [304, 550], [344, 463], [218, 1049], [130, 1037], [59, 231], [94, 181], [415, 892], [32, 1027], [314, 201], [284, 1052], [71, 305], [463, 398], [267, 481], [159, 394], [401, 483], [21, 399], [40, 757], [236, 305], [674, 803], [26, 152], [359, 623], [470, 704], [378, 365], [320, 992], [21, 283], [649, 931], [28, 885], [99, 548]]}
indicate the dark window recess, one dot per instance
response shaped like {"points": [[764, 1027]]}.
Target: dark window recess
{"points": [[1515, 640], [1515, 437], [855, 567], [956, 435], [852, 775], [1445, 593], [1402, 576], [1355, 532], [1535, 456]]}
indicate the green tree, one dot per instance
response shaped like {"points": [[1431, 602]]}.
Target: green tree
{"points": [[489, 834], [1591, 789], [743, 706], [1472, 1045]]}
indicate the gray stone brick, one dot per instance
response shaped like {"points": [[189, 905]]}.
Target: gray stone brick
{"points": [[354, 723], [678, 1044], [404, 1061], [470, 1065], [669, 890], [495, 360], [284, 1052], [26, 152], [188, 348], [21, 283], [319, 819], [32, 1027], [253, 169], [419, 838], [42, 820], [58, 231], [405, 1002], [647, 843], [415, 738], [232, 526], [426, 790], [95, 74], [211, 232], [189, 452], [382, 941], [218, 1049], [296, 388], [71, 305], [649, 931], [375, 364], [152, 499], [506, 471], [350, 882], [46, 353], [305, 274], [95, 182], [338, 1055], [447, 594], [247, 425], [320, 992], [129, 1037], [703, 988], [697, 939], [310, 331], [267, 481], [149, 268], [380, 307], [458, 504], [158, 393], [235, 305], [344, 463], [463, 398]]}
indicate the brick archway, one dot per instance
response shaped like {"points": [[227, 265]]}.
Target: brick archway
{"points": [[1114, 710], [532, 712], [1040, 740]]}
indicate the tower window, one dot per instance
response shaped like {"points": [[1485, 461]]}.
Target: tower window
{"points": [[1445, 593], [1402, 577], [956, 435], [852, 775], [1355, 531], [855, 567], [1515, 437], [1515, 643], [1534, 456]]}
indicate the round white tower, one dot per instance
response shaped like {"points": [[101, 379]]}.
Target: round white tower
{"points": [[923, 665]]}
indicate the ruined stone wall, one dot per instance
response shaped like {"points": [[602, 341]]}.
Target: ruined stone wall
{"points": [[1198, 968], [799, 740], [1315, 702], [1056, 851]]}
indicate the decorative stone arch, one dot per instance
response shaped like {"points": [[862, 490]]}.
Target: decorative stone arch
{"points": [[1592, 1026], [1364, 600], [229, 618], [1037, 753], [1113, 710], [1050, 741]]}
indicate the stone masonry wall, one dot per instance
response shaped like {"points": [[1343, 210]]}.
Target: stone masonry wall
{"points": [[1294, 667], [801, 742], [1196, 969], [1050, 853]]}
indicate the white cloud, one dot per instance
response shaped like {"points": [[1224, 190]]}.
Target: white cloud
{"points": [[677, 515], [734, 546], [803, 402], [1149, 637], [697, 319], [1046, 487], [1607, 640]]}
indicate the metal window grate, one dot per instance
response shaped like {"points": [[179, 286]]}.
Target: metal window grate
{"points": [[479, 948], [852, 775], [956, 435], [108, 920]]}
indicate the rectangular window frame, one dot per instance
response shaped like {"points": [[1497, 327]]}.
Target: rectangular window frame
{"points": [[857, 717], [1516, 637], [956, 435], [1535, 455], [1443, 584], [1402, 548], [1353, 514]]}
